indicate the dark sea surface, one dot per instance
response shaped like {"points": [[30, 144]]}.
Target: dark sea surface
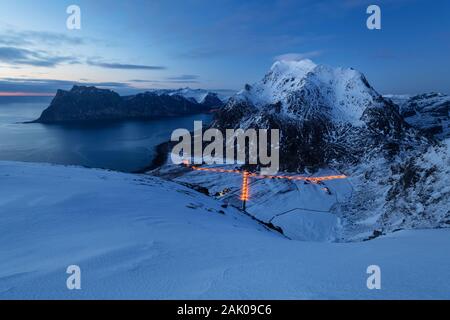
{"points": [[119, 145]]}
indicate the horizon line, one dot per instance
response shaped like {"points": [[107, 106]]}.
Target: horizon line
{"points": [[25, 94]]}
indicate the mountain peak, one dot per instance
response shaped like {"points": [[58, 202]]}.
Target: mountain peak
{"points": [[305, 90], [324, 114], [294, 67]]}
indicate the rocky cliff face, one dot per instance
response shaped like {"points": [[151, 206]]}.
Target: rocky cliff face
{"points": [[90, 103], [211, 100], [148, 105], [83, 103], [428, 113]]}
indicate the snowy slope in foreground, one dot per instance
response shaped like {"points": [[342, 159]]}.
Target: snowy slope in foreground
{"points": [[140, 237]]}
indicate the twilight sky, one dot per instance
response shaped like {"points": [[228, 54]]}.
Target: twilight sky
{"points": [[133, 45]]}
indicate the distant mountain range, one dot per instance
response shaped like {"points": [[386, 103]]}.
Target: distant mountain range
{"points": [[83, 103], [197, 95], [427, 112]]}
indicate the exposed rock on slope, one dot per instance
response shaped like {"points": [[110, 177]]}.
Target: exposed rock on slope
{"points": [[428, 113], [403, 193]]}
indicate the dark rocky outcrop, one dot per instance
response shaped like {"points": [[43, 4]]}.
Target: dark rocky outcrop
{"points": [[211, 100], [428, 113], [90, 103]]}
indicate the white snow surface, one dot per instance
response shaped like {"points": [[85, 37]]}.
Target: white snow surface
{"points": [[136, 236], [301, 209]]}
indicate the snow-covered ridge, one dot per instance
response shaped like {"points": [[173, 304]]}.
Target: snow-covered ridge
{"points": [[343, 94], [197, 95], [398, 99]]}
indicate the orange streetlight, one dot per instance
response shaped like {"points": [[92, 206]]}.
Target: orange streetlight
{"points": [[244, 189], [246, 175]]}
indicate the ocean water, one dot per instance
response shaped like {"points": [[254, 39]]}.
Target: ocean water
{"points": [[120, 145]]}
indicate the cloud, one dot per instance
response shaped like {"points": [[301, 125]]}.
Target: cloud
{"points": [[20, 56], [16, 56], [298, 56], [182, 77], [165, 81], [238, 45], [28, 37], [139, 80], [205, 53], [185, 78], [37, 85], [109, 65]]}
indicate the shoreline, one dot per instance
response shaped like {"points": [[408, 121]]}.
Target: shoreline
{"points": [[159, 159]]}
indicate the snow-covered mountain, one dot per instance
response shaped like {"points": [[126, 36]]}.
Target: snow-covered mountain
{"points": [[140, 237], [428, 113], [325, 115], [331, 119], [305, 91]]}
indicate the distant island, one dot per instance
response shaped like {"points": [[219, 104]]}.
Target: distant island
{"points": [[84, 103]]}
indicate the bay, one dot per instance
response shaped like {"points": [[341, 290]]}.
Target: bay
{"points": [[117, 145]]}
